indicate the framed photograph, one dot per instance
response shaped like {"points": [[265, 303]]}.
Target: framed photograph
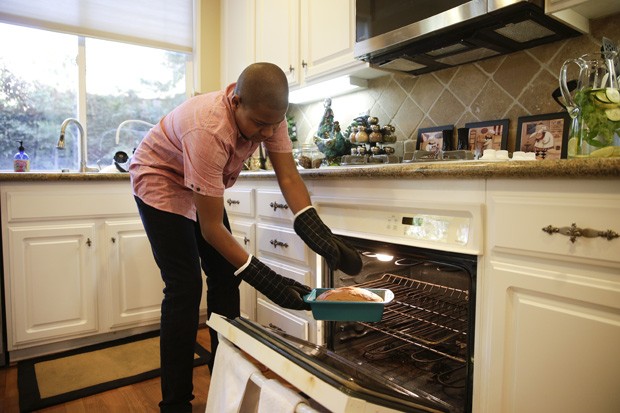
{"points": [[545, 135], [432, 139], [492, 134]]}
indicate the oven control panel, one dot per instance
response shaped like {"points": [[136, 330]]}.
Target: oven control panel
{"points": [[449, 229], [455, 228]]}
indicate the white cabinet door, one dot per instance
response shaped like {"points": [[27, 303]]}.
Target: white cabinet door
{"points": [[244, 234], [277, 36], [556, 338], [53, 283], [327, 37], [550, 310], [237, 38], [135, 284]]}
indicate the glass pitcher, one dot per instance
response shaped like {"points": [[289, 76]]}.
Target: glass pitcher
{"points": [[594, 106]]}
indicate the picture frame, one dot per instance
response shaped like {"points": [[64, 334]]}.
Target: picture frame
{"points": [[546, 135], [491, 134], [432, 139]]}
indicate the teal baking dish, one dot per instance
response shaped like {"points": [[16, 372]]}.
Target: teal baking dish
{"points": [[348, 310]]}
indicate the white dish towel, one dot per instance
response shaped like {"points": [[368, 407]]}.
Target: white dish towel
{"points": [[277, 398], [231, 390]]}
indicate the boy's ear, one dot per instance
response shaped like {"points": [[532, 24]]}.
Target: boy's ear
{"points": [[236, 101]]}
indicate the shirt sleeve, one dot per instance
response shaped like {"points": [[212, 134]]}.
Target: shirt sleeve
{"points": [[280, 141], [204, 159]]}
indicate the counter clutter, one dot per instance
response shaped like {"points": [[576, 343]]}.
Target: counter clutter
{"points": [[564, 168]]}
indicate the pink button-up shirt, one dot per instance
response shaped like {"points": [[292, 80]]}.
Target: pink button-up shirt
{"points": [[196, 147]]}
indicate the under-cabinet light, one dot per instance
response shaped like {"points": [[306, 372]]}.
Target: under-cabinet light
{"points": [[329, 88]]}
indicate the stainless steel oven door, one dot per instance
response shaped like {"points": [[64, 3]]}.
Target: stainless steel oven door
{"points": [[332, 381]]}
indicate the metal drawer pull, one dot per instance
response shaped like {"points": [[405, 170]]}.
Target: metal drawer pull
{"points": [[232, 201], [275, 206], [277, 243], [575, 232]]}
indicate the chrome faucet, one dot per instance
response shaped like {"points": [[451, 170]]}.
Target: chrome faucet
{"points": [[123, 123], [81, 143]]}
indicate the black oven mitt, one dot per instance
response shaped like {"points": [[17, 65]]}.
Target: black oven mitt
{"points": [[283, 291], [340, 255]]}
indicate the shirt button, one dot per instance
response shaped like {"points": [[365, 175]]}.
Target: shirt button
{"points": [[191, 185]]}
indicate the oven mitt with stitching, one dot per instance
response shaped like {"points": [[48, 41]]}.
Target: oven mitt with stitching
{"points": [[340, 255], [285, 292]]}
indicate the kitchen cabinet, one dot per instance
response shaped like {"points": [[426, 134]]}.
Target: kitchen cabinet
{"points": [[78, 267], [577, 13], [551, 306], [262, 221], [309, 40], [237, 38], [52, 291], [277, 36], [134, 282], [327, 38], [240, 209], [280, 248]]}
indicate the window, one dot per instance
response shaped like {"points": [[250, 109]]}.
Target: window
{"points": [[47, 77]]}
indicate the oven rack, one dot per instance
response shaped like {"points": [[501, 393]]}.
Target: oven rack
{"points": [[422, 313]]}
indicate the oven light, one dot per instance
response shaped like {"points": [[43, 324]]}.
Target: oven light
{"points": [[385, 257]]}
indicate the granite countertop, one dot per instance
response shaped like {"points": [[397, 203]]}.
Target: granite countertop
{"points": [[573, 168]]}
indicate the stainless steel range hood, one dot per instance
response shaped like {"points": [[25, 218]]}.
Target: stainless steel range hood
{"points": [[448, 33]]}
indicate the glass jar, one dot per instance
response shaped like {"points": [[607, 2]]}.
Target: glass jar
{"points": [[310, 157]]}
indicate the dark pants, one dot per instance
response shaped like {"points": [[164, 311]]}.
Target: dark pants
{"points": [[181, 252]]}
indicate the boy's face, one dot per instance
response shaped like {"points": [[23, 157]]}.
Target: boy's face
{"points": [[256, 124]]}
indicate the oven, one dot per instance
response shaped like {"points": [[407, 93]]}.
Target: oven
{"points": [[420, 356], [424, 341]]}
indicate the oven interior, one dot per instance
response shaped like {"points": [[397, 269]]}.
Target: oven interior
{"points": [[424, 341]]}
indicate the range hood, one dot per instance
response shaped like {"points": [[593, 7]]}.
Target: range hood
{"points": [[421, 36]]}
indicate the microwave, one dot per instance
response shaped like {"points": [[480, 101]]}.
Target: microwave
{"points": [[420, 36]]}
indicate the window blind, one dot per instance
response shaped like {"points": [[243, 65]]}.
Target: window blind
{"points": [[165, 24]]}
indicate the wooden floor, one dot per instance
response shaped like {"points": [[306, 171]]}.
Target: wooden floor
{"points": [[141, 397]]}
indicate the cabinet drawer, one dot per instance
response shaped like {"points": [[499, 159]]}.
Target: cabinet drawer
{"points": [[301, 275], [70, 203], [517, 220], [239, 202], [271, 315], [281, 243], [271, 204]]}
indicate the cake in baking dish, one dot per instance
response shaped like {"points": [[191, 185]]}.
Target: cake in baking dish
{"points": [[349, 294]]}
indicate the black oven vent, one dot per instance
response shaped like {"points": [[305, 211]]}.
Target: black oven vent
{"points": [[431, 316]]}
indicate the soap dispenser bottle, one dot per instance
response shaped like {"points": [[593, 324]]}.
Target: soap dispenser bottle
{"points": [[21, 160]]}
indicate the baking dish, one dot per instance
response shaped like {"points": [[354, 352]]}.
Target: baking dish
{"points": [[348, 310]]}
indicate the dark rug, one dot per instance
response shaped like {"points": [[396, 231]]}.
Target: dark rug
{"points": [[62, 377]]}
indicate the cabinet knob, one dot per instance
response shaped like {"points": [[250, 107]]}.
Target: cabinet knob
{"points": [[574, 232], [304, 64], [113, 240], [277, 243], [275, 206], [291, 69], [89, 242], [232, 201], [246, 240]]}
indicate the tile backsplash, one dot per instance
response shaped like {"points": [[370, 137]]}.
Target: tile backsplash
{"points": [[505, 87]]}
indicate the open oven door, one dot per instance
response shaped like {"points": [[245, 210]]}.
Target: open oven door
{"points": [[332, 381]]}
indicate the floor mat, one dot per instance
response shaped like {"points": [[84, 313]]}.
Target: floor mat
{"points": [[59, 378]]}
